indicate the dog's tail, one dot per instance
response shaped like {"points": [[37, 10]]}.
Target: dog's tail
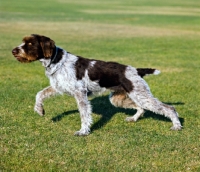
{"points": [[147, 71]]}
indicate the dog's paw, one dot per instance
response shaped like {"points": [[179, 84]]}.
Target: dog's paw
{"points": [[39, 109], [81, 133], [176, 127], [130, 119]]}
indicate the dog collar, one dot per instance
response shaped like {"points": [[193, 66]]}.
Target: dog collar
{"points": [[53, 59]]}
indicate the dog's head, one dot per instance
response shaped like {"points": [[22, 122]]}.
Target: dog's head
{"points": [[33, 48]]}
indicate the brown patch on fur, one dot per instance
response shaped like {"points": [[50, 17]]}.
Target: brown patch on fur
{"points": [[81, 66], [110, 75], [121, 99]]}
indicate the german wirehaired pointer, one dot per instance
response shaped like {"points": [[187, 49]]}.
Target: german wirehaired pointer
{"points": [[78, 76]]}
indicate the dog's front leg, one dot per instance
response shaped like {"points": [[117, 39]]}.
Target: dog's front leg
{"points": [[41, 95], [85, 112]]}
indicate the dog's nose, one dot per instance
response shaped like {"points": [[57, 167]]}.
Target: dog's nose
{"points": [[14, 51]]}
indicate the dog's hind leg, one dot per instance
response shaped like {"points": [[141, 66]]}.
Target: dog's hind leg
{"points": [[121, 99], [135, 117], [140, 94], [85, 111], [144, 99], [41, 95]]}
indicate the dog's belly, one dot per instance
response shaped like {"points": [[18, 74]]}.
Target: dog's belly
{"points": [[93, 86]]}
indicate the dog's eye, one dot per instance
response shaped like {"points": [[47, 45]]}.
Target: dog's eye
{"points": [[29, 43]]}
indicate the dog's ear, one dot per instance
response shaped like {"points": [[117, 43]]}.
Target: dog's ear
{"points": [[47, 45]]}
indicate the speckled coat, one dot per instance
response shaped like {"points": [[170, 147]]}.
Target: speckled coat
{"points": [[78, 76]]}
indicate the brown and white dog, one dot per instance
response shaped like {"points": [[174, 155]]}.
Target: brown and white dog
{"points": [[77, 76]]}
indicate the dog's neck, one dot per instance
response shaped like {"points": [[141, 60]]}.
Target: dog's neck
{"points": [[55, 58], [54, 55], [53, 64]]}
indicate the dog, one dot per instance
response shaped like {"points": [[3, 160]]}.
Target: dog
{"points": [[78, 76]]}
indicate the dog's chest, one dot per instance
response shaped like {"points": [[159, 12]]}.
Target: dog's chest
{"points": [[63, 80]]}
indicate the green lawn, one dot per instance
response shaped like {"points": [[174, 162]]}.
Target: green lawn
{"points": [[141, 33]]}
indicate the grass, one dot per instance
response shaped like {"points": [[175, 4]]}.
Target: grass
{"points": [[159, 34]]}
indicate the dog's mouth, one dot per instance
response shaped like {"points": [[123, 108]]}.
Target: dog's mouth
{"points": [[18, 57], [21, 59]]}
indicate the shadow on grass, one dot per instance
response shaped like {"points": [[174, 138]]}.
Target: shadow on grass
{"points": [[101, 106], [59, 117]]}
